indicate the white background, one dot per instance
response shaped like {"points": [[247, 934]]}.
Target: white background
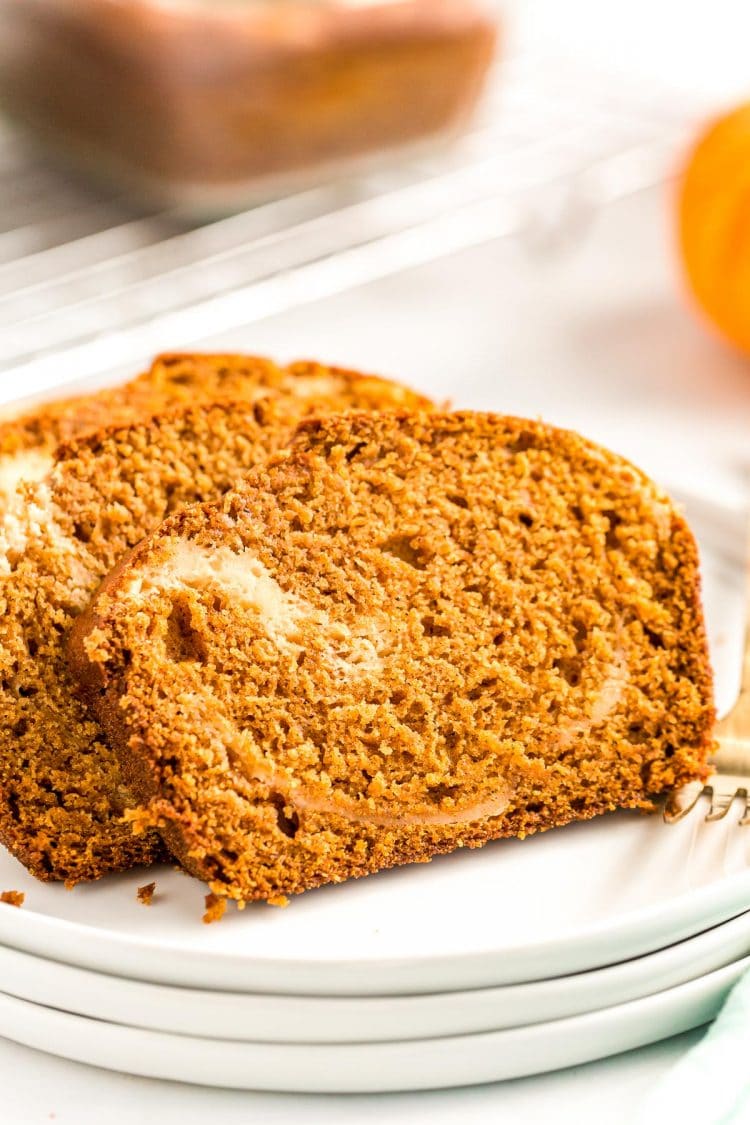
{"points": [[599, 339]]}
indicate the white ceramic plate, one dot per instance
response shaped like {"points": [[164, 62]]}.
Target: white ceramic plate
{"points": [[564, 902], [370, 1067], [363, 1019]]}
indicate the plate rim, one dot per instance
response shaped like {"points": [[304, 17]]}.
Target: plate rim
{"points": [[363, 1067], [366, 1019], [106, 950]]}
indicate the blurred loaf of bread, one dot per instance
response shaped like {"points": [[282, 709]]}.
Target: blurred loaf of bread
{"points": [[208, 100]]}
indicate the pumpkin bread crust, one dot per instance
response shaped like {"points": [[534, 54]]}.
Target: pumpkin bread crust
{"points": [[61, 796], [28, 442], [405, 635]]}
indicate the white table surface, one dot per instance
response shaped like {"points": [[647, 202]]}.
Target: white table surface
{"points": [[596, 338]]}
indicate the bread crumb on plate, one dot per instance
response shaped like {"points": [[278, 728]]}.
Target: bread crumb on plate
{"points": [[13, 898], [146, 893], [215, 907]]}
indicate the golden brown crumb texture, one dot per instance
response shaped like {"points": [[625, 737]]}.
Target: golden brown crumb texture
{"points": [[407, 635], [61, 797], [28, 442]]}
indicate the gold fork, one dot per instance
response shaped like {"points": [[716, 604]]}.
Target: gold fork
{"points": [[731, 762]]}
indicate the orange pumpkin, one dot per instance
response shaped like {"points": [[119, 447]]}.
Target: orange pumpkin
{"points": [[714, 224]]}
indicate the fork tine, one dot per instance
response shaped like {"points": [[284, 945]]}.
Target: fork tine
{"points": [[682, 801], [731, 760], [722, 802], [745, 818], [720, 805]]}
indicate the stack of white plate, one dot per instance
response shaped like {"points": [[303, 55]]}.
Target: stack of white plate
{"points": [[517, 958]]}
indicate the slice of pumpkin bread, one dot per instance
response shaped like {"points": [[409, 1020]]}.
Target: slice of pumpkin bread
{"points": [[60, 796], [408, 634], [61, 800], [28, 442]]}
